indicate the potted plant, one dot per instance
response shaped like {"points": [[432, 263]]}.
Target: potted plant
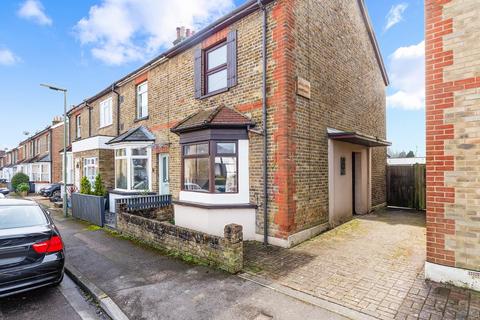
{"points": [[23, 189]]}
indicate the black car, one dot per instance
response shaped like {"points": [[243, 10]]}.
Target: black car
{"points": [[51, 190], [4, 191], [31, 249]]}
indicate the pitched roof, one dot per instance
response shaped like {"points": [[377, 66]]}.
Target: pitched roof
{"points": [[219, 117], [134, 135]]}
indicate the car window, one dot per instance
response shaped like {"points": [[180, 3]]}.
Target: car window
{"points": [[21, 216]]}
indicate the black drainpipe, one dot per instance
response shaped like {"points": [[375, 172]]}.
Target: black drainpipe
{"points": [[89, 118], [118, 108], [264, 120]]}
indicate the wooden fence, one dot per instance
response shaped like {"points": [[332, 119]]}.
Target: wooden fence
{"points": [[406, 186]]}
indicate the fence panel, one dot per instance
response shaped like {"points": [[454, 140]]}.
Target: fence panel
{"points": [[406, 186]]}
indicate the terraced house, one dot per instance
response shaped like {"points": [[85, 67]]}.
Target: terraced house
{"points": [[272, 117], [38, 156]]}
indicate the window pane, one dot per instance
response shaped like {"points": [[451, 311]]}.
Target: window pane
{"points": [[196, 174], [139, 152], [225, 174], [201, 148], [140, 174], [217, 57], [120, 152], [217, 80], [226, 147], [21, 217], [121, 173]]}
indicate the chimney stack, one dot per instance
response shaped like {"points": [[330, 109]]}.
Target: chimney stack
{"points": [[56, 119], [182, 34]]}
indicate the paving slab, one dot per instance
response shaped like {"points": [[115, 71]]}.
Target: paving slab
{"points": [[372, 264]]}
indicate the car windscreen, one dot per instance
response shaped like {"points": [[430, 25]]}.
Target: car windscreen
{"points": [[21, 217]]}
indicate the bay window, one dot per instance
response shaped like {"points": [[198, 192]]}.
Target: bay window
{"points": [[132, 168], [210, 167]]}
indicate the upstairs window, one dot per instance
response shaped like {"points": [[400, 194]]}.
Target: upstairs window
{"points": [[216, 67], [78, 123], [106, 113], [142, 100]]}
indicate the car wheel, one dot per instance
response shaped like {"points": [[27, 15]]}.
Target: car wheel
{"points": [[56, 194]]}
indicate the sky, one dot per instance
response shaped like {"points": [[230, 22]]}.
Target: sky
{"points": [[86, 45]]}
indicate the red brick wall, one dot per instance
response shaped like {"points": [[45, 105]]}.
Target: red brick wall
{"points": [[451, 137], [57, 145]]}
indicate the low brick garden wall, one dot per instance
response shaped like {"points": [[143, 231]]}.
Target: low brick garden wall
{"points": [[223, 252]]}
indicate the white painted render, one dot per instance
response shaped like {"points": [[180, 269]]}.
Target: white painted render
{"points": [[213, 221], [340, 186], [455, 276], [92, 143], [295, 238], [243, 195], [112, 197]]}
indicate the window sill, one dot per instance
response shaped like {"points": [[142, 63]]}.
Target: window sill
{"points": [[105, 126], [208, 95], [140, 119], [215, 206]]}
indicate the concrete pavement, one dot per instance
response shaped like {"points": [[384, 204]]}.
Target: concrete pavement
{"points": [[148, 285]]}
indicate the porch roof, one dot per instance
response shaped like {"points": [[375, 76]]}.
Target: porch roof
{"points": [[137, 134], [357, 138], [218, 117]]}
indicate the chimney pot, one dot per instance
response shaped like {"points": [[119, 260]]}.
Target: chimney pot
{"points": [[188, 32], [182, 32], [178, 32]]}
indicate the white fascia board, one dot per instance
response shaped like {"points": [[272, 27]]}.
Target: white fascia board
{"points": [[92, 143]]}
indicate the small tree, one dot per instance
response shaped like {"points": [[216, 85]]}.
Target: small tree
{"points": [[85, 186], [410, 154], [18, 179], [99, 187]]}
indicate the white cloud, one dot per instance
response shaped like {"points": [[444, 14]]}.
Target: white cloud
{"points": [[7, 58], [33, 10], [120, 31], [407, 75], [394, 16]]}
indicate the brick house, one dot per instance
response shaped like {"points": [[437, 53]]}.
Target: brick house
{"points": [[452, 140], [38, 156], [191, 122]]}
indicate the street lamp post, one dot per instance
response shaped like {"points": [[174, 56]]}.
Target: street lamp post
{"points": [[65, 210]]}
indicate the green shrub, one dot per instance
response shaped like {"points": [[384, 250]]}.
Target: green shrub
{"points": [[23, 187], [19, 178], [85, 187], [99, 187]]}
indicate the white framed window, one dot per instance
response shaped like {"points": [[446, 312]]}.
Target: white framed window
{"points": [[142, 100], [133, 168], [78, 123], [106, 112], [90, 169]]}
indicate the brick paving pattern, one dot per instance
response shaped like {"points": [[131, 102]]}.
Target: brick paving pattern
{"points": [[372, 264]]}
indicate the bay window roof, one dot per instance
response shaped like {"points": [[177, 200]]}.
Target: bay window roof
{"points": [[218, 117], [138, 134]]}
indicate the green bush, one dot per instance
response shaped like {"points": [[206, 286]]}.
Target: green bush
{"points": [[23, 187], [85, 187], [19, 178], [99, 187]]}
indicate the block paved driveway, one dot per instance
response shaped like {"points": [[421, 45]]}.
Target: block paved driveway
{"points": [[372, 264]]}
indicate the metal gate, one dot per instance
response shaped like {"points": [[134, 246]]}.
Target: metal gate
{"points": [[406, 186]]}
